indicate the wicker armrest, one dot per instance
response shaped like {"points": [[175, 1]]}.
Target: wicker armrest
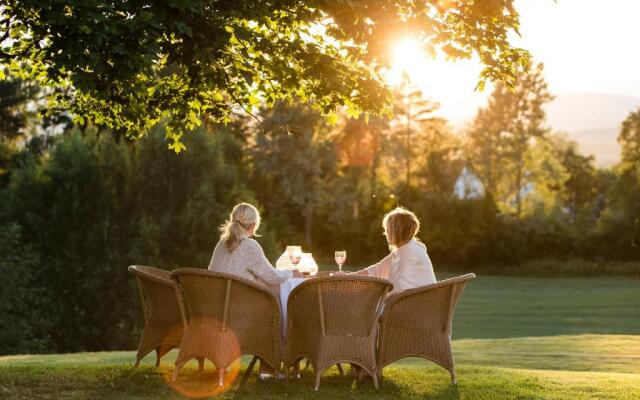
{"points": [[446, 282], [157, 275], [205, 272], [316, 280]]}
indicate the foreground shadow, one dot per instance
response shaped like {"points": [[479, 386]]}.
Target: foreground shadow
{"points": [[152, 383]]}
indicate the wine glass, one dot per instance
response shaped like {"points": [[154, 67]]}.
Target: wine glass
{"points": [[341, 257]]}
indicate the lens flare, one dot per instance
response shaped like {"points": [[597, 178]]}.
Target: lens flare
{"points": [[193, 383]]}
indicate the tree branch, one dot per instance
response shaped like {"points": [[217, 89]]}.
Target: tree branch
{"points": [[10, 56], [252, 115], [7, 29]]}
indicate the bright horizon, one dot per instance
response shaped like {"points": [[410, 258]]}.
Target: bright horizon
{"points": [[583, 45]]}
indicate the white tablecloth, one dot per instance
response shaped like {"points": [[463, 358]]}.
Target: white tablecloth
{"points": [[285, 289]]}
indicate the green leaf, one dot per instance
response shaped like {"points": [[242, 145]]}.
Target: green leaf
{"points": [[78, 119], [177, 147]]}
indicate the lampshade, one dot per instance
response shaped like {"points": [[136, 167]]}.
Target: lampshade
{"points": [[284, 261], [308, 264]]}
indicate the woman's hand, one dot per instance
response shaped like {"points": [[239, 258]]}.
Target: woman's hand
{"points": [[296, 274]]}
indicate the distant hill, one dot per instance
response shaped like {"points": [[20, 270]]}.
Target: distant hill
{"points": [[593, 120], [601, 143]]}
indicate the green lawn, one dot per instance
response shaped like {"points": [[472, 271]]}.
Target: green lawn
{"points": [[502, 307], [517, 338]]}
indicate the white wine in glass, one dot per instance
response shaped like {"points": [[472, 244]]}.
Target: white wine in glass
{"points": [[341, 257]]}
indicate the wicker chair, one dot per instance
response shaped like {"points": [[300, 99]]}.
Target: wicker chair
{"points": [[332, 320], [163, 322], [417, 323], [225, 317]]}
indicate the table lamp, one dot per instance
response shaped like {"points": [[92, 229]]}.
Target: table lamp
{"points": [[284, 261], [308, 264]]}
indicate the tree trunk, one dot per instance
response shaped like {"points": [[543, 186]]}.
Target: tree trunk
{"points": [[373, 182], [308, 226], [490, 188], [574, 212], [519, 188], [408, 153]]}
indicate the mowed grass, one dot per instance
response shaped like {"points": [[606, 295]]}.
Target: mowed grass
{"points": [[504, 307], [487, 369], [515, 338]]}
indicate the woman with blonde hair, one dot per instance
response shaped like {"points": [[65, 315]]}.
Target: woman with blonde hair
{"points": [[238, 254], [408, 265]]}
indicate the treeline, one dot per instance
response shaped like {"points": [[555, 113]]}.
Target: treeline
{"points": [[79, 204]]}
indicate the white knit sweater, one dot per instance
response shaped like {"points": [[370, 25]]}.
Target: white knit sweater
{"points": [[247, 261]]}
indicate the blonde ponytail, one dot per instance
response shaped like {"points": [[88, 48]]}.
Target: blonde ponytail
{"points": [[234, 230]]}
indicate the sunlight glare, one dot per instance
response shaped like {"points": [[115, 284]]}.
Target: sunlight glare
{"points": [[409, 58], [450, 83]]}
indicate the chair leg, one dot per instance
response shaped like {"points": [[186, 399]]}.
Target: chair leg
{"points": [[454, 381], [362, 374], [340, 369], [200, 364], [318, 376], [220, 376], [286, 375], [157, 357], [137, 364], [375, 379], [250, 368], [296, 369], [175, 373]]}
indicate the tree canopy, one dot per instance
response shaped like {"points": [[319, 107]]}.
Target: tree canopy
{"points": [[132, 63], [502, 135]]}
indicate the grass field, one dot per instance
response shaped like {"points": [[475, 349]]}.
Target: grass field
{"points": [[515, 338], [502, 307]]}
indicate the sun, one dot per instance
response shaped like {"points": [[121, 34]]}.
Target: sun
{"points": [[407, 57], [451, 83]]}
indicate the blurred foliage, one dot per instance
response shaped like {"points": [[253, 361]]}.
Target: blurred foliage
{"points": [[132, 63], [420, 146], [505, 132], [97, 203], [14, 114], [618, 231], [23, 299]]}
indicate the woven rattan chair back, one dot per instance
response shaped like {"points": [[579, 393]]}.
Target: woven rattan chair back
{"points": [[163, 322], [333, 320], [225, 317], [417, 323]]}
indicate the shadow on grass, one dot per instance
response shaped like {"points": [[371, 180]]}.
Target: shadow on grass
{"points": [[151, 383], [124, 382]]}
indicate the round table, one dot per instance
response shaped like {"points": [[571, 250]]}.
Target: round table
{"points": [[285, 290]]}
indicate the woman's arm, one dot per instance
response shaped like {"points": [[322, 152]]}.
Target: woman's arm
{"points": [[380, 269], [362, 272], [261, 268]]}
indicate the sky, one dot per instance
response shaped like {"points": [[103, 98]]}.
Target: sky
{"points": [[587, 46]]}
